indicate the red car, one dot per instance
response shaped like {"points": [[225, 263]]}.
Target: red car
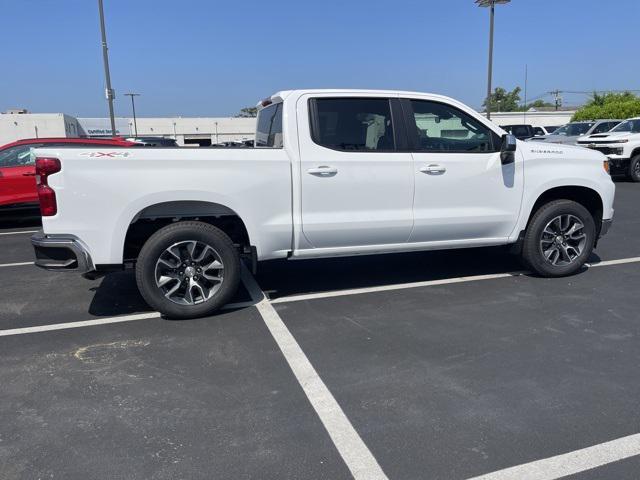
{"points": [[17, 171]]}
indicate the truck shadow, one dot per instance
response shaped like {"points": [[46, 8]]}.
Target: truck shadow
{"points": [[283, 278], [117, 293]]}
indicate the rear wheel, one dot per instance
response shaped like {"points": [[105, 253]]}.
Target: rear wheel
{"points": [[559, 239], [188, 269], [634, 168]]}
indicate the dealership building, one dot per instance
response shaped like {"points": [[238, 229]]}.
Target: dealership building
{"points": [[188, 131]]}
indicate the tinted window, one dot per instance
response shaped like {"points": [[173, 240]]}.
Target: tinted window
{"points": [[632, 125], [603, 127], [538, 131], [17, 156], [353, 124], [573, 129], [442, 128], [269, 130]]}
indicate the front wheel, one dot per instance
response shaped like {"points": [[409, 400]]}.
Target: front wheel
{"points": [[559, 239], [188, 269], [634, 169]]}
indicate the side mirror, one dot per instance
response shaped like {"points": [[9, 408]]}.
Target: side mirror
{"points": [[509, 145]]}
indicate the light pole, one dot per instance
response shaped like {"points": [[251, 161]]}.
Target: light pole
{"points": [[133, 106], [107, 75], [492, 5]]}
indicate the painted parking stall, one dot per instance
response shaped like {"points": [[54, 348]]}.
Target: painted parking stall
{"points": [[446, 365]]}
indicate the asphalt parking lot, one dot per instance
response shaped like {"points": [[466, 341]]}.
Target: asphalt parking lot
{"points": [[436, 365]]}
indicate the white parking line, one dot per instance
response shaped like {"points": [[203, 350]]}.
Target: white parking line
{"points": [[84, 323], [396, 286], [19, 232], [352, 449], [20, 264], [571, 463], [429, 283], [102, 321]]}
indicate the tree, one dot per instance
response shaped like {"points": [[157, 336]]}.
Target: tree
{"points": [[248, 112], [502, 101], [538, 104], [609, 105]]}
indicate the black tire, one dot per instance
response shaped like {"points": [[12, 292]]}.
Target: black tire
{"points": [[634, 168], [532, 252], [183, 232]]}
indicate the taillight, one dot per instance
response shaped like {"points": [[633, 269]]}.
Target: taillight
{"points": [[46, 195]]}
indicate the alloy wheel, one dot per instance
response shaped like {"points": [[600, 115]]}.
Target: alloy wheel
{"points": [[563, 240], [189, 272]]}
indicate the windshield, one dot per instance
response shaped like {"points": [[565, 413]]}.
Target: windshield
{"points": [[573, 129], [632, 126]]}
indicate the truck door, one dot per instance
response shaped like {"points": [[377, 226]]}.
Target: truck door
{"points": [[356, 174], [463, 192], [17, 176]]}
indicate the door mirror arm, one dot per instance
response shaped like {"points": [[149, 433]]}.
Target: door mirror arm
{"points": [[508, 148]]}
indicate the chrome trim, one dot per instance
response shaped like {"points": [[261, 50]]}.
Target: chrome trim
{"points": [[83, 259]]}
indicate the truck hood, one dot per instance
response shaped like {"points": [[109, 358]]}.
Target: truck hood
{"points": [[557, 139], [607, 137], [534, 149]]}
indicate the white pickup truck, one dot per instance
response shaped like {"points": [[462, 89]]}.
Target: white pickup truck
{"points": [[621, 145], [333, 173]]}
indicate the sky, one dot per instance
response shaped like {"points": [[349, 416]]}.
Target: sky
{"points": [[211, 57]]}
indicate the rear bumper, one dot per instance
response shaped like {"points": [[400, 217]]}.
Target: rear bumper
{"points": [[61, 253]]}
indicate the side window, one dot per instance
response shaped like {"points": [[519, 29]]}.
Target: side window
{"points": [[538, 131], [18, 156], [603, 127], [443, 128], [353, 124], [269, 129]]}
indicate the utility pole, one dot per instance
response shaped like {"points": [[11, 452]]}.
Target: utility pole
{"points": [[557, 98], [133, 107], [105, 57], [524, 116], [492, 5]]}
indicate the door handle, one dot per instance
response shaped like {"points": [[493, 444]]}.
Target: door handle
{"points": [[28, 174], [433, 169], [323, 171]]}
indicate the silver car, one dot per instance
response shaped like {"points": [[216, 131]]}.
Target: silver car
{"points": [[568, 134]]}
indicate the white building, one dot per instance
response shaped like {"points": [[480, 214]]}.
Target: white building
{"points": [[536, 119], [15, 126]]}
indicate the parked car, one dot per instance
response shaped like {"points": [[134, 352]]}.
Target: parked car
{"points": [[521, 132], [333, 173], [17, 169], [153, 141], [568, 134], [621, 145]]}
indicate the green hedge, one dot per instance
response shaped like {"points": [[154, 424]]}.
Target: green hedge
{"points": [[611, 105]]}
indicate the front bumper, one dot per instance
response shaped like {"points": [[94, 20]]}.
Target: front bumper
{"points": [[61, 253], [605, 226], [618, 165]]}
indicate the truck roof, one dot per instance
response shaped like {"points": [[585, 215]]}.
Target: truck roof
{"points": [[283, 94]]}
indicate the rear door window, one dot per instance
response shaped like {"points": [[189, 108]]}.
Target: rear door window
{"points": [[353, 124], [269, 129]]}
